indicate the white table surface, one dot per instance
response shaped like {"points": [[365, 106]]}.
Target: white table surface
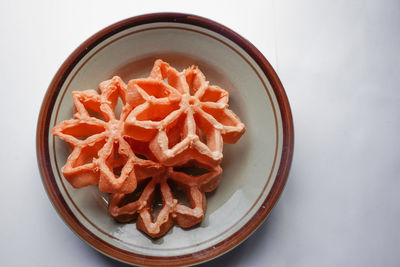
{"points": [[339, 62]]}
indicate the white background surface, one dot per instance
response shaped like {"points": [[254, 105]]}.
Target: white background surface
{"points": [[339, 62]]}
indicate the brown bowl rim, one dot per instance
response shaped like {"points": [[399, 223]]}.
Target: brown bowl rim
{"points": [[48, 177]]}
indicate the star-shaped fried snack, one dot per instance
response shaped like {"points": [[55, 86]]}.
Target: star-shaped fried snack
{"points": [[166, 144], [181, 115], [100, 154], [140, 204]]}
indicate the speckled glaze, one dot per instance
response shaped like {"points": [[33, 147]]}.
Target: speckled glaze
{"points": [[255, 169]]}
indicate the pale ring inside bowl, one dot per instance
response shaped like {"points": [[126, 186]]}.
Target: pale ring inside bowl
{"points": [[250, 166]]}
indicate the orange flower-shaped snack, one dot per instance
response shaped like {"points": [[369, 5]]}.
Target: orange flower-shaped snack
{"points": [[100, 154], [170, 122], [140, 205], [173, 110]]}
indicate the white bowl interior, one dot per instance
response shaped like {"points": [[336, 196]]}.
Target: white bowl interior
{"points": [[249, 167]]}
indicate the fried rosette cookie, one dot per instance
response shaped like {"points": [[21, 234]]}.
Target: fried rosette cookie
{"points": [[168, 187], [100, 154], [181, 115]]}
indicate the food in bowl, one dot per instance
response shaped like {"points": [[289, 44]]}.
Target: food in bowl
{"points": [[166, 143]]}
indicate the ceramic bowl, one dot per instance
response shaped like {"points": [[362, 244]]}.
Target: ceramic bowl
{"points": [[255, 169]]}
